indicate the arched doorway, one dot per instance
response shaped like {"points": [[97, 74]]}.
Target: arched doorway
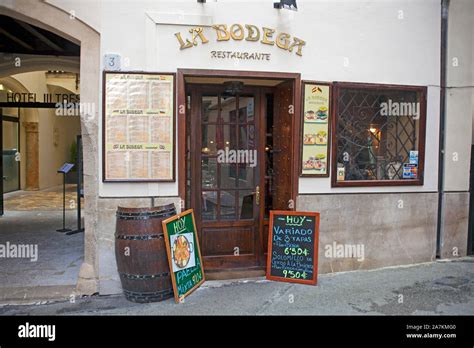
{"points": [[59, 22]]}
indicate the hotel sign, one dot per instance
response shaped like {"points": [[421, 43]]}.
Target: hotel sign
{"points": [[238, 32]]}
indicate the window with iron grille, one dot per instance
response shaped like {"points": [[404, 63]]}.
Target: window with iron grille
{"points": [[378, 135]]}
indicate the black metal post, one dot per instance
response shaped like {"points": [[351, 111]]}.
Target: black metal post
{"points": [[79, 185], [64, 229], [442, 123]]}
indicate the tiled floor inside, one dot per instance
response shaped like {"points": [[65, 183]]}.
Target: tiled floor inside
{"points": [[32, 218], [50, 199]]}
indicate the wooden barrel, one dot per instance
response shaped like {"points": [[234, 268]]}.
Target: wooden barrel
{"points": [[140, 251]]}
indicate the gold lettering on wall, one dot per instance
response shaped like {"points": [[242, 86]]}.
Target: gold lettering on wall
{"points": [[283, 40], [237, 28], [222, 33], [298, 43], [267, 34], [253, 33], [197, 32], [182, 44], [249, 32]]}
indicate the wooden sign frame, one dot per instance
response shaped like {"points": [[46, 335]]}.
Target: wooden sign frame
{"points": [[170, 261], [304, 83], [316, 246]]}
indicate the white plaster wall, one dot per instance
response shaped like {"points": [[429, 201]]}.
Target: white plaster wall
{"points": [[86, 10], [394, 42], [459, 102]]}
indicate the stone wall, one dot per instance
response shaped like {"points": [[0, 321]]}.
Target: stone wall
{"points": [[394, 229], [455, 225]]}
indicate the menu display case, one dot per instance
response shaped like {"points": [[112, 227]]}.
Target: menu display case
{"points": [[138, 126]]}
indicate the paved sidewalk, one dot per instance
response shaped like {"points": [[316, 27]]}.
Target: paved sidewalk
{"points": [[436, 288]]}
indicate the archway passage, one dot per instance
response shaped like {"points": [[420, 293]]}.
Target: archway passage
{"points": [[36, 139]]}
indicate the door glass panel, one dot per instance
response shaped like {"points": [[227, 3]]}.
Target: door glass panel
{"points": [[246, 204], [209, 205], [210, 109], [246, 176], [228, 158], [246, 136], [209, 173], [227, 208], [230, 136], [209, 140], [246, 109], [228, 106], [228, 175], [10, 164]]}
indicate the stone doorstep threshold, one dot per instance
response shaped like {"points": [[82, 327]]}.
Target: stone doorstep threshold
{"points": [[36, 294]]}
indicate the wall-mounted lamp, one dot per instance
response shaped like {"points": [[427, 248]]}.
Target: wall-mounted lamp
{"points": [[287, 4], [202, 1]]}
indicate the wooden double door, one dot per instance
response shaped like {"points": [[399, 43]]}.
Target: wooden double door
{"points": [[238, 154]]}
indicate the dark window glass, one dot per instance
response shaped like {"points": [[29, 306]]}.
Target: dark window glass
{"points": [[378, 134]]}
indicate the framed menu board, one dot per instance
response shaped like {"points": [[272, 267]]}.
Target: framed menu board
{"points": [[138, 126], [315, 129], [293, 247]]}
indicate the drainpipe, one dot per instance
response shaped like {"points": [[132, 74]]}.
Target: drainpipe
{"points": [[442, 123]]}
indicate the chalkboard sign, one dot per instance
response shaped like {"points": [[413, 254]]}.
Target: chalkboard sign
{"points": [[184, 254], [293, 247]]}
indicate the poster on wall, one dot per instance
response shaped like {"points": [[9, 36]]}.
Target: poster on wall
{"points": [[138, 126], [315, 142]]}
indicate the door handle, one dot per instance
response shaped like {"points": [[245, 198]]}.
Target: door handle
{"points": [[257, 195]]}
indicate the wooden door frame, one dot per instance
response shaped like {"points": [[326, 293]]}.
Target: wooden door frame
{"points": [[295, 78]]}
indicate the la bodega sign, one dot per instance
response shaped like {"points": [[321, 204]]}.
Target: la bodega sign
{"points": [[238, 32]]}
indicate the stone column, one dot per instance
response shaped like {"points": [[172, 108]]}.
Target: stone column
{"points": [[32, 156]]}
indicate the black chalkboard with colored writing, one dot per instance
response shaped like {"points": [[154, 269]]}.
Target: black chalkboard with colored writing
{"points": [[293, 247]]}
